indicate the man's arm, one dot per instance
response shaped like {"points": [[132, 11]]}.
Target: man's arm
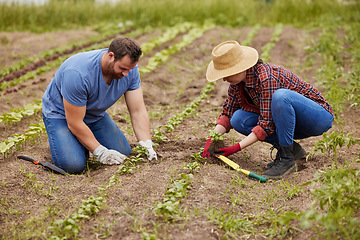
{"points": [[138, 114], [75, 120]]}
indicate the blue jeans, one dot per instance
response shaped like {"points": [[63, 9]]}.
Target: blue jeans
{"points": [[69, 154], [295, 117]]}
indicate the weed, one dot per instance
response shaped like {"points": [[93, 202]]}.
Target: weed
{"points": [[231, 223], [291, 190]]}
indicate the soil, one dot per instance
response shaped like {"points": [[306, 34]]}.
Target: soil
{"points": [[33, 198]]}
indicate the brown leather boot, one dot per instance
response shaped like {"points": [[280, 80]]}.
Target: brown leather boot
{"points": [[284, 165]]}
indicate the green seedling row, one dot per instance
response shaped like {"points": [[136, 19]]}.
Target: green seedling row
{"points": [[265, 55], [162, 56], [167, 36], [16, 115], [25, 62], [17, 140]]}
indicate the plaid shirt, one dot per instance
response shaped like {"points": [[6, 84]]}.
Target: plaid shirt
{"points": [[255, 94]]}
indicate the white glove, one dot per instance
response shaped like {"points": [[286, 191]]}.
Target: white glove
{"points": [[148, 144], [109, 157]]}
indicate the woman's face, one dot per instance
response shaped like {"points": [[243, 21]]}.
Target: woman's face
{"points": [[236, 78]]}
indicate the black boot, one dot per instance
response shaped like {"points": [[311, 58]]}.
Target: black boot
{"points": [[299, 153], [284, 165]]}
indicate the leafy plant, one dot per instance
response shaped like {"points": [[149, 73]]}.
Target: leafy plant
{"points": [[231, 223], [70, 227], [333, 142], [193, 167], [215, 136], [339, 202], [158, 136]]}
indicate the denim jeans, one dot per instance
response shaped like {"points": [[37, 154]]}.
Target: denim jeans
{"points": [[69, 154], [295, 117]]}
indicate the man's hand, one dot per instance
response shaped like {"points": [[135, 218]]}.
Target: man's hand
{"points": [[148, 144], [108, 157], [206, 154], [229, 150]]}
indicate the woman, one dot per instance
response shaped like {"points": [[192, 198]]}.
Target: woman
{"points": [[267, 103]]}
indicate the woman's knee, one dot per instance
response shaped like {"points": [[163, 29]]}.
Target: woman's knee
{"points": [[243, 121], [280, 94]]}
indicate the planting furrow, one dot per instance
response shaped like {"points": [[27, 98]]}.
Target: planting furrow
{"points": [[265, 55], [55, 61], [47, 66], [162, 56], [31, 64]]}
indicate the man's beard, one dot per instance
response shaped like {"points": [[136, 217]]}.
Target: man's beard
{"points": [[112, 72]]}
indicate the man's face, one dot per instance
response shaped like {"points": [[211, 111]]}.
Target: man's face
{"points": [[236, 78], [121, 67]]}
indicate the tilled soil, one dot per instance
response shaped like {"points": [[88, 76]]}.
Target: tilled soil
{"points": [[32, 198]]}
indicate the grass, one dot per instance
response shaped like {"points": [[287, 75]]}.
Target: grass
{"points": [[70, 14]]}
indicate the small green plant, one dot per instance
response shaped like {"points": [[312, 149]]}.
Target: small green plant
{"points": [[215, 136], [339, 203], [70, 227], [194, 166], [158, 136], [198, 157], [169, 209], [291, 190], [333, 142], [231, 223]]}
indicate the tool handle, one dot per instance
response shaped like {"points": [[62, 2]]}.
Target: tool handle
{"points": [[258, 177], [27, 158]]}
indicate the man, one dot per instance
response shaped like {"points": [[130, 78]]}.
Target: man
{"points": [[76, 100], [267, 103]]}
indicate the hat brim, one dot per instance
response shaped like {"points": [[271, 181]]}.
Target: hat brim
{"points": [[250, 58]]}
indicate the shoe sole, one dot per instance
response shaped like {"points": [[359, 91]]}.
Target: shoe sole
{"points": [[290, 170]]}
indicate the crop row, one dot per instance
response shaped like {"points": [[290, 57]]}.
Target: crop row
{"points": [[48, 65], [31, 63]]}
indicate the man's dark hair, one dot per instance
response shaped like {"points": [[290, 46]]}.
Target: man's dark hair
{"points": [[123, 46]]}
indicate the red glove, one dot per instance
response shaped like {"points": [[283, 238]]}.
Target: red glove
{"points": [[206, 154], [230, 150]]}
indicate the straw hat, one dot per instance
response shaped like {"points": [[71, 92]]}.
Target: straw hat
{"points": [[230, 58]]}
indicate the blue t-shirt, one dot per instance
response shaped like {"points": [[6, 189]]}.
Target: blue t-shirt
{"points": [[80, 81]]}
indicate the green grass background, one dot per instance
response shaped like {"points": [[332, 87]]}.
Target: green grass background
{"points": [[70, 14]]}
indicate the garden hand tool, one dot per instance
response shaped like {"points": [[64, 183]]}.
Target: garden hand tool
{"points": [[46, 164], [237, 168]]}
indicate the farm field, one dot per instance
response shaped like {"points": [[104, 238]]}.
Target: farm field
{"points": [[181, 195]]}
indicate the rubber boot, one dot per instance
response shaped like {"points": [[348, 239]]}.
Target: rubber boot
{"points": [[284, 165], [299, 153]]}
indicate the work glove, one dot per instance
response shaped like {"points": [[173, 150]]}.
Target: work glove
{"points": [[108, 156], [206, 154], [229, 150], [148, 144]]}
